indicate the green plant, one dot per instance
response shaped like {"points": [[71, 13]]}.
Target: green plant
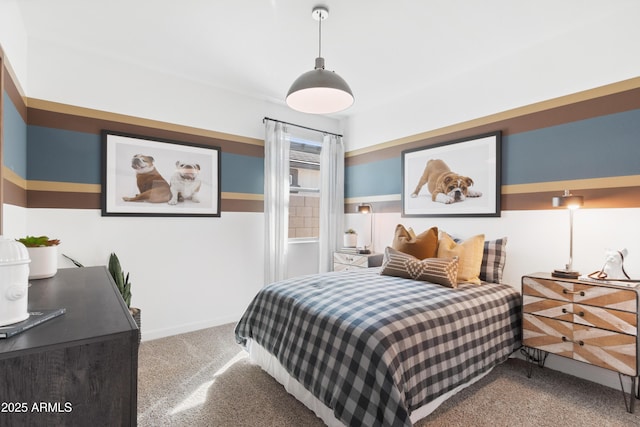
{"points": [[35, 242], [122, 281], [350, 231]]}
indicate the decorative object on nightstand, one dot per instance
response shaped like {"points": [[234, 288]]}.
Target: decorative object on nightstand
{"points": [[571, 202], [350, 238], [343, 261], [613, 268], [590, 321], [366, 208]]}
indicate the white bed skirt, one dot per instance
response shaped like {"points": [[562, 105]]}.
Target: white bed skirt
{"points": [[270, 364]]}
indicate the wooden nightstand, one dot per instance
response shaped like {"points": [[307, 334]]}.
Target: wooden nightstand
{"points": [[589, 321], [348, 261]]}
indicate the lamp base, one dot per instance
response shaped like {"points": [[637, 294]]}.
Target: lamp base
{"points": [[565, 274]]}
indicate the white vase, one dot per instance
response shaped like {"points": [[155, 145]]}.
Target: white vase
{"points": [[14, 284], [350, 240], [44, 262]]}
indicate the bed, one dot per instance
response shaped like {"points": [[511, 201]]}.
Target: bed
{"points": [[364, 349]]}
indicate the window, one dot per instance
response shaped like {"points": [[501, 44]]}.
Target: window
{"points": [[304, 180]]}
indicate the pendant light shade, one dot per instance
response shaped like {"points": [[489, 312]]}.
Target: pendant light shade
{"points": [[320, 91]]}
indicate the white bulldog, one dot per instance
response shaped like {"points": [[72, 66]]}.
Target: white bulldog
{"points": [[185, 183]]}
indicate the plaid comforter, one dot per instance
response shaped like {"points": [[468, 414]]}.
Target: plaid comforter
{"points": [[373, 348]]}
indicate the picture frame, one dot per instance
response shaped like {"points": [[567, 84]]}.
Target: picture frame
{"points": [[477, 158], [144, 176]]}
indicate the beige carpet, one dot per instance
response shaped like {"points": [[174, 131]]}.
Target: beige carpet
{"points": [[204, 378]]}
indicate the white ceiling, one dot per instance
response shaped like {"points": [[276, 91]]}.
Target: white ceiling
{"points": [[384, 49]]}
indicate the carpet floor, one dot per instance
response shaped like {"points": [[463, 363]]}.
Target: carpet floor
{"points": [[204, 378]]}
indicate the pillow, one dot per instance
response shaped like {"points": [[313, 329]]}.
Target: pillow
{"points": [[469, 254], [421, 246], [493, 260], [441, 271]]}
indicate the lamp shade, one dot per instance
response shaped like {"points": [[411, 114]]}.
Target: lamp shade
{"points": [[365, 208], [567, 200], [320, 92]]}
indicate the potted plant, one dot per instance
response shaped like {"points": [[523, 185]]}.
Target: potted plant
{"points": [[43, 253], [350, 238], [124, 286]]}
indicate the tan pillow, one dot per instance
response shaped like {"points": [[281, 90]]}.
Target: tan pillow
{"points": [[441, 271], [421, 246], [469, 255]]}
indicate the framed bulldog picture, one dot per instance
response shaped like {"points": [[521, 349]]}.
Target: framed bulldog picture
{"points": [[455, 178], [156, 177]]}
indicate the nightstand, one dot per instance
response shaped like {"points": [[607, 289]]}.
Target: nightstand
{"points": [[348, 261], [594, 322]]}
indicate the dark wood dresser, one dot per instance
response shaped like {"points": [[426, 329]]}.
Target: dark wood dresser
{"points": [[78, 369]]}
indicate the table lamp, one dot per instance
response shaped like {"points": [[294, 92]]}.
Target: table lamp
{"points": [[366, 208], [571, 202]]}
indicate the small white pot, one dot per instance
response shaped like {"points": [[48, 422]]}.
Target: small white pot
{"points": [[44, 262], [350, 240]]}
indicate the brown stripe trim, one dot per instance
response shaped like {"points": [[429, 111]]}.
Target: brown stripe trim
{"points": [[70, 200], [623, 197], [63, 200], [390, 206], [597, 198], [627, 197], [236, 205], [60, 116], [13, 194], [524, 119]]}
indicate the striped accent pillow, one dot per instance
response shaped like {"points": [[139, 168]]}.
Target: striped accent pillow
{"points": [[442, 271], [493, 260]]}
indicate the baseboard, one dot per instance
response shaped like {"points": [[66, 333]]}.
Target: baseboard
{"points": [[148, 335], [581, 370]]}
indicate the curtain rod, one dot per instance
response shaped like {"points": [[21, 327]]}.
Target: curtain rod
{"points": [[303, 127]]}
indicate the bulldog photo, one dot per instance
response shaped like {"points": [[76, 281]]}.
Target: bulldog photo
{"points": [[185, 183], [444, 185], [152, 186]]}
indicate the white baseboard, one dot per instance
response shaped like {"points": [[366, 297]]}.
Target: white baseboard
{"points": [[582, 370], [148, 335]]}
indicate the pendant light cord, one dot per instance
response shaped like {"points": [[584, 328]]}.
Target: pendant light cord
{"points": [[320, 36]]}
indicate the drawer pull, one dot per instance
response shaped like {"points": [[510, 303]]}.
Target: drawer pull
{"points": [[580, 313], [565, 291], [565, 339]]}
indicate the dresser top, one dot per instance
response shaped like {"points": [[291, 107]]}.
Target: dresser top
{"points": [[94, 309], [585, 280]]}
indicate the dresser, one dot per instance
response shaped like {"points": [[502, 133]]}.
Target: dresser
{"points": [[343, 261], [588, 321], [78, 369]]}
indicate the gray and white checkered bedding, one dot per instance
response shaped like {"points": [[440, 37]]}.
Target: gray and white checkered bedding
{"points": [[373, 348]]}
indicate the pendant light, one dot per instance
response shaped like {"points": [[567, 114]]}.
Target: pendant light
{"points": [[320, 91]]}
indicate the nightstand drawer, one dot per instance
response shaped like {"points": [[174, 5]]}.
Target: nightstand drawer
{"points": [[594, 295], [613, 320], [607, 349], [350, 259], [343, 261]]}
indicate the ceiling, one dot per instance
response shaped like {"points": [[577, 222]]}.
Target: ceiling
{"points": [[384, 49]]}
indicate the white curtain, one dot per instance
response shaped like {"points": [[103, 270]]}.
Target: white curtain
{"points": [[331, 199], [276, 200]]}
